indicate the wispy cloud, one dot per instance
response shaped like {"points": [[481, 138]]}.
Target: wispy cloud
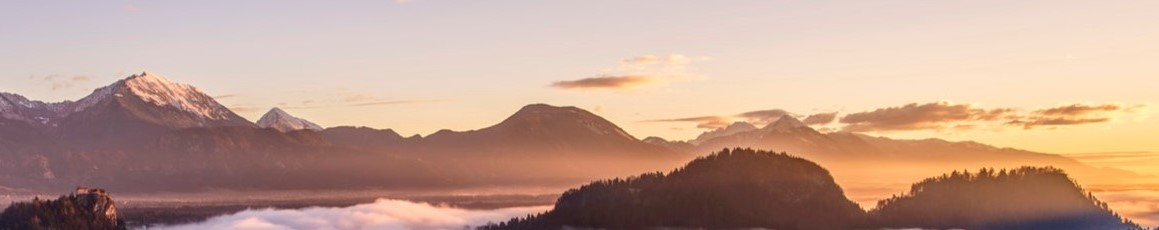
{"points": [[395, 102], [58, 82], [224, 96], [382, 214], [636, 72], [758, 117], [763, 117], [704, 122], [604, 82], [914, 116], [243, 108], [347, 98], [936, 116], [131, 8], [820, 118], [1074, 114]]}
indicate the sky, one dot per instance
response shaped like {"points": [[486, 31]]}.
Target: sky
{"points": [[1050, 76]]}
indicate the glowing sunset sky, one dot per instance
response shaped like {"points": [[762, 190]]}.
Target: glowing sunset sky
{"points": [[1053, 76]]}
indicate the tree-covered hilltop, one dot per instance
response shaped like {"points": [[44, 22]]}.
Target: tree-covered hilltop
{"points": [[85, 209], [738, 188], [745, 188], [1023, 198]]}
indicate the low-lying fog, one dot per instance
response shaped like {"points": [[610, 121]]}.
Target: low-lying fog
{"points": [[386, 214]]}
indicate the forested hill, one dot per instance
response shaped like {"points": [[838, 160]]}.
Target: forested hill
{"points": [[744, 188], [85, 209], [1024, 198], [738, 188]]}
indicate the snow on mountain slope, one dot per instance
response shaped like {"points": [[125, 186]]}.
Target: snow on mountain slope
{"points": [[16, 107], [157, 90], [148, 87], [278, 119]]}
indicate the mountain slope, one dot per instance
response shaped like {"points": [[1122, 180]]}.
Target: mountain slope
{"points": [[732, 189], [278, 119]]}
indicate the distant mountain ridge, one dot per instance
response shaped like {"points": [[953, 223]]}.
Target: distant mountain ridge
{"points": [[146, 96], [138, 128], [858, 154], [145, 133]]}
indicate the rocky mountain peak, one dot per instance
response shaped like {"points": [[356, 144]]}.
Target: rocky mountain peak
{"points": [[785, 122], [279, 119]]}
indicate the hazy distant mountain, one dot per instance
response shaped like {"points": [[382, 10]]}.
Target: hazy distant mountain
{"points": [[546, 127], [732, 189], [857, 155], [278, 119], [366, 138], [556, 142], [145, 133], [1025, 199], [734, 128]]}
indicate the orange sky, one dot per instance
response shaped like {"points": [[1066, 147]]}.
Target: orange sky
{"points": [[426, 65]]}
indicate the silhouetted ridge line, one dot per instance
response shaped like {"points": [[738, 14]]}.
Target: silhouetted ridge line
{"points": [[738, 188], [1023, 198], [84, 209], [745, 188]]}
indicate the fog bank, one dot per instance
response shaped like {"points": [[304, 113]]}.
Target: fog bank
{"points": [[385, 214]]}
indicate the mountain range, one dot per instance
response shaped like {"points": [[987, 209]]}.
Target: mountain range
{"points": [[859, 156], [146, 133]]}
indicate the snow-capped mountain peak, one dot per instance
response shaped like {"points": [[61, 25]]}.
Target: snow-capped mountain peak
{"points": [[282, 121], [159, 91], [152, 97]]}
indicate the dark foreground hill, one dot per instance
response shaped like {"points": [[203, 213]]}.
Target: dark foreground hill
{"points": [[1025, 198], [85, 209], [739, 188], [744, 188]]}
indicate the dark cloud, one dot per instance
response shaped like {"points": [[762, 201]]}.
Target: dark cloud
{"points": [[1075, 114], [605, 82], [820, 118], [914, 116]]}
